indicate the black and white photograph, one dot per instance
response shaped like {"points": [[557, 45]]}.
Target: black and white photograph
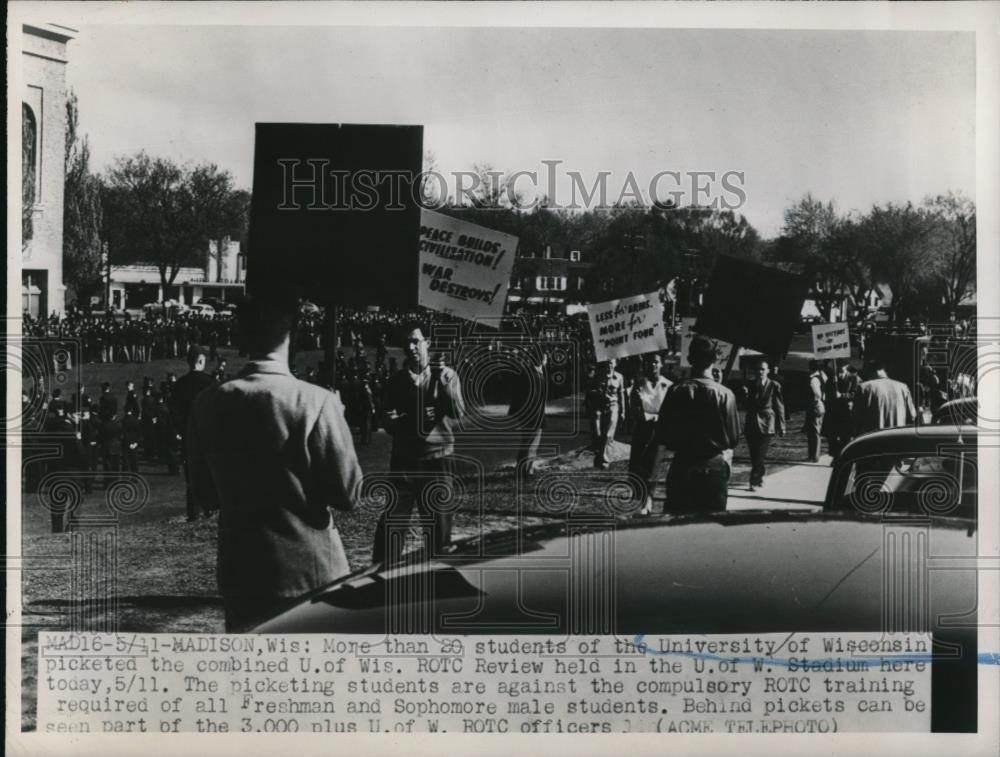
{"points": [[439, 375]]}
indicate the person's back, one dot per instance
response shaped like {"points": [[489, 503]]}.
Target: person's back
{"points": [[275, 470], [696, 418], [273, 454], [881, 403]]}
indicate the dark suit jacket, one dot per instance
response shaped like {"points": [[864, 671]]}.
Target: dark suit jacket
{"points": [[111, 437], [765, 409]]}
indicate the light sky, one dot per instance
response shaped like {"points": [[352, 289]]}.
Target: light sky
{"points": [[853, 117]]}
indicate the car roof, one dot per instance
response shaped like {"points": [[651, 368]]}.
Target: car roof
{"points": [[909, 439], [747, 572]]}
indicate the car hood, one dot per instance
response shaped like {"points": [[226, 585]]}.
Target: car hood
{"points": [[740, 572]]}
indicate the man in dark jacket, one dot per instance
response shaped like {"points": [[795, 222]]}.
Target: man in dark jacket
{"points": [[423, 403], [131, 399], [131, 436], [108, 403], [90, 439], [148, 421], [184, 392], [699, 422], [765, 418], [111, 444]]}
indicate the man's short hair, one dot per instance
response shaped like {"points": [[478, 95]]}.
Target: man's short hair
{"points": [[813, 365], [194, 352], [416, 325], [701, 353], [874, 366], [266, 319]]}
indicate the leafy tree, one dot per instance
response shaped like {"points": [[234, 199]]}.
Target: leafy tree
{"points": [[898, 251], [953, 242], [82, 212], [805, 239], [218, 210], [163, 214]]}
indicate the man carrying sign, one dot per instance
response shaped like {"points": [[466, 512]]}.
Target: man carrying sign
{"points": [[699, 422], [423, 405]]}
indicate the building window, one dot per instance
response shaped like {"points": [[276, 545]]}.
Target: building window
{"points": [[574, 256], [579, 283], [551, 283]]}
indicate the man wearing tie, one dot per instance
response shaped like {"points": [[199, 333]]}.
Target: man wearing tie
{"points": [[765, 418]]}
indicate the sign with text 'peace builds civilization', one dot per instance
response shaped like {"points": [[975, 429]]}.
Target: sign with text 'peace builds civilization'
{"points": [[831, 340], [630, 326], [464, 268], [335, 213]]}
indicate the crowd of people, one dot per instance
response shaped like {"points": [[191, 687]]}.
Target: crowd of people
{"points": [[701, 419], [271, 452], [108, 338]]}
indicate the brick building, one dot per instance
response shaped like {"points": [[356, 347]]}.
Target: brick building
{"points": [[547, 280], [43, 122]]}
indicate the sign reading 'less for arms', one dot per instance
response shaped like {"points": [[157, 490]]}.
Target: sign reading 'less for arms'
{"points": [[630, 326]]}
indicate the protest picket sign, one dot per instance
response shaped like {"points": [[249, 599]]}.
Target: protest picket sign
{"points": [[722, 348], [752, 305], [831, 340], [630, 326], [464, 268], [335, 212]]}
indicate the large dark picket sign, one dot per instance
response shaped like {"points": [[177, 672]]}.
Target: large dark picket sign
{"points": [[335, 213], [751, 305]]}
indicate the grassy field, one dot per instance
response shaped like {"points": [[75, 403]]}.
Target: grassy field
{"points": [[162, 576]]}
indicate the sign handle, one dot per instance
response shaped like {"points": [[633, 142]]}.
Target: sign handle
{"points": [[330, 324], [734, 352]]}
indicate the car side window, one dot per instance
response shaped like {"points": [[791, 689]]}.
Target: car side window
{"points": [[942, 484]]}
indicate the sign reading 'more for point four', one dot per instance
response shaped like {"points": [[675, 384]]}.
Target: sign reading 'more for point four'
{"points": [[630, 326], [464, 268]]}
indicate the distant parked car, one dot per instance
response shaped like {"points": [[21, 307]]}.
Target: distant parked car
{"points": [[964, 411], [202, 309], [220, 306]]}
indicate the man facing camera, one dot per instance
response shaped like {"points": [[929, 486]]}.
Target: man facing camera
{"points": [[274, 455], [423, 404]]}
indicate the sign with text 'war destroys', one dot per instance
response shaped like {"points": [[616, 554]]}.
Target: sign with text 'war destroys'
{"points": [[464, 268], [630, 326], [831, 340]]}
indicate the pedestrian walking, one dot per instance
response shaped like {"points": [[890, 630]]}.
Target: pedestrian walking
{"points": [[765, 418]]}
